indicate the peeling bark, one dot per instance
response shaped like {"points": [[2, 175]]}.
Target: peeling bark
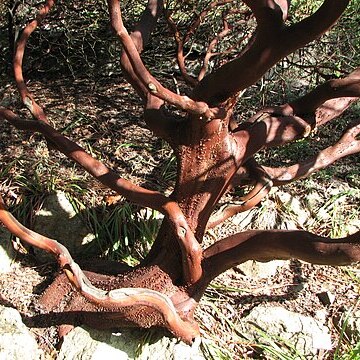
{"points": [[213, 156]]}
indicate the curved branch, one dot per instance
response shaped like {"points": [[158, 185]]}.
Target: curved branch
{"points": [[278, 125], [273, 42], [263, 245], [140, 37], [263, 185], [108, 299], [328, 100], [312, 27], [180, 50], [26, 97], [191, 30], [260, 8], [209, 52], [331, 109], [267, 130], [347, 145], [154, 86], [190, 248], [259, 191], [348, 87], [154, 114]]}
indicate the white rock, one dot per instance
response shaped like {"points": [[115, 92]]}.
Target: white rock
{"points": [[243, 219], [16, 342], [260, 270], [304, 333], [294, 206], [92, 344], [58, 220], [313, 200]]}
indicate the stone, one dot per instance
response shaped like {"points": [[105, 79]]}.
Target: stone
{"points": [[326, 297], [293, 206], [243, 219], [82, 343], [313, 200], [7, 253], [304, 333], [16, 342], [288, 225], [260, 270], [58, 220], [321, 315]]}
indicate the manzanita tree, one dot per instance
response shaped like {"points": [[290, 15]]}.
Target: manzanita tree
{"points": [[214, 153]]}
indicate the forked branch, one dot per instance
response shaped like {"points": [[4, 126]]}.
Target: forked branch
{"points": [[348, 87], [273, 126], [116, 298], [266, 176], [154, 86], [348, 144], [180, 50], [268, 130], [262, 187], [190, 248], [140, 36], [273, 42]]}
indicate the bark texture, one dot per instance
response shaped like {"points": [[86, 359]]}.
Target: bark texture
{"points": [[214, 154]]}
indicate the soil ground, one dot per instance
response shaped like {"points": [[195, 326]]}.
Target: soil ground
{"points": [[75, 75], [104, 116]]}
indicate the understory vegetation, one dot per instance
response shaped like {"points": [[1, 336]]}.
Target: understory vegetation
{"points": [[72, 66]]}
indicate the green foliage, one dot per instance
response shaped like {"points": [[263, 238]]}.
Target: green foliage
{"points": [[345, 350], [123, 233]]}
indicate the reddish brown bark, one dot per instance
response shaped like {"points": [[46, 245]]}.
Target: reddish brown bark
{"points": [[212, 155], [28, 100], [276, 244]]}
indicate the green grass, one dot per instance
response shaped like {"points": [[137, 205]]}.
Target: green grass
{"points": [[122, 232], [275, 347], [345, 348]]}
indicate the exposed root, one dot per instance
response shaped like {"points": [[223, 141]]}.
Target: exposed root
{"points": [[124, 297]]}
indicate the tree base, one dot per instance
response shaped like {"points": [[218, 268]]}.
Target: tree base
{"points": [[64, 305]]}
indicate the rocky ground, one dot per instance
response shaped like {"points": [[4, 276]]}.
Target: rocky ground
{"points": [[275, 310], [257, 310]]}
